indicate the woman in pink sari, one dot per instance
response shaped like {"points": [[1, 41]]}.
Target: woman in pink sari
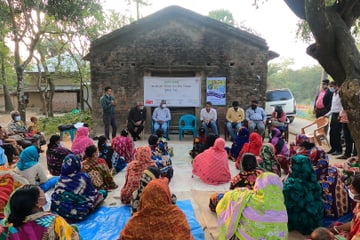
{"points": [[81, 142], [212, 166], [124, 146]]}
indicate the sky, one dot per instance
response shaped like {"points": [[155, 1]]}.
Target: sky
{"points": [[273, 21]]}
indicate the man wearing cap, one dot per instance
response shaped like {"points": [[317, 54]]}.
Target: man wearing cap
{"points": [[234, 116], [323, 100], [255, 117], [136, 120], [161, 116]]}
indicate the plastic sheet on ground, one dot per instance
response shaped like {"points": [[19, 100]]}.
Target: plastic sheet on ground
{"points": [[107, 222]]}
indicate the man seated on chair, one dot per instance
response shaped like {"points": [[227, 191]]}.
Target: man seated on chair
{"points": [[234, 116], [136, 120], [255, 117], [208, 117], [161, 116]]}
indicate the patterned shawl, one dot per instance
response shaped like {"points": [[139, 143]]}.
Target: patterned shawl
{"points": [[7, 185], [212, 165], [240, 140], [81, 141], [124, 146], [157, 217], [134, 172], [28, 158], [303, 196], [74, 196], [99, 172], [268, 161], [253, 146], [43, 225], [55, 157], [254, 214]]}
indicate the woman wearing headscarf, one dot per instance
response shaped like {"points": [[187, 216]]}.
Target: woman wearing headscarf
{"points": [[254, 214], [278, 118], [30, 168], [212, 165], [253, 146], [241, 138], [268, 161], [157, 217], [124, 146], [81, 142], [27, 220], [75, 197], [114, 161], [134, 172], [55, 155], [97, 168], [303, 196], [281, 150]]}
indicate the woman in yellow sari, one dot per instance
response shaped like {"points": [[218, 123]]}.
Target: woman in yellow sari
{"points": [[254, 214]]}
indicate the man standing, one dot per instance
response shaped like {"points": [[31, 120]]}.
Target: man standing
{"points": [[108, 105], [136, 120], [208, 117], [234, 117], [323, 100], [161, 117], [255, 117]]}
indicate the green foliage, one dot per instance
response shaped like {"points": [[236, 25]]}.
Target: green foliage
{"points": [[50, 125], [304, 82], [222, 15]]}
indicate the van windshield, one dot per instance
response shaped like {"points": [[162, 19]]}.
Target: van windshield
{"points": [[278, 95]]}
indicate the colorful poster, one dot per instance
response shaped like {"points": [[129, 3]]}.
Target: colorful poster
{"points": [[216, 90]]}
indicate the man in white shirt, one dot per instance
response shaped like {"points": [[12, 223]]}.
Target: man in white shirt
{"points": [[335, 124], [161, 117], [208, 117]]}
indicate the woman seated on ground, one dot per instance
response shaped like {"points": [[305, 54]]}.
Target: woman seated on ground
{"points": [[26, 213], [134, 172], [253, 146], [124, 146], [301, 145], [351, 230], [303, 196], [74, 185], [241, 138], [281, 150], [114, 161], [212, 165], [334, 194], [97, 168], [268, 160], [11, 147], [246, 178], [55, 155], [161, 156], [254, 214], [33, 131], [198, 143], [156, 209], [81, 142], [278, 118], [30, 168]]}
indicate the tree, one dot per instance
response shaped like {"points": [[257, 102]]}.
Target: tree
{"points": [[222, 15], [331, 24]]}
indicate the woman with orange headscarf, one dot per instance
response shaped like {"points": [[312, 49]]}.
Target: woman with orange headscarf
{"points": [[157, 217], [134, 172], [253, 146]]}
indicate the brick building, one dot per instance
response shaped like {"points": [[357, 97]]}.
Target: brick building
{"points": [[176, 42]]}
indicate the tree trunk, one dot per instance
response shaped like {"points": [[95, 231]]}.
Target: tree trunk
{"points": [[20, 92], [7, 99], [51, 97]]}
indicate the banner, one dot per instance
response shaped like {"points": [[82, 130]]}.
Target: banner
{"points": [[216, 90], [177, 91]]}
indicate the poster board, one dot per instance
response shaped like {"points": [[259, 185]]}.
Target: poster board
{"points": [[177, 91], [216, 90]]}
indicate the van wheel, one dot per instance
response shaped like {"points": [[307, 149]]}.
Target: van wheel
{"points": [[291, 119]]}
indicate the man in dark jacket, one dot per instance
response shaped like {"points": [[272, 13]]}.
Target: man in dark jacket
{"points": [[108, 105], [136, 120], [323, 100]]}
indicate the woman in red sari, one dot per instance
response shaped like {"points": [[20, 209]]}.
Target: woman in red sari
{"points": [[157, 217], [253, 146], [212, 165]]}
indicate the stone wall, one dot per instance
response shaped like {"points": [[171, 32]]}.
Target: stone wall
{"points": [[178, 48]]}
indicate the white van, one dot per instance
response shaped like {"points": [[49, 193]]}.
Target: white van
{"points": [[283, 97]]}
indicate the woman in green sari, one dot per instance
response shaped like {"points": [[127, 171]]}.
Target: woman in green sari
{"points": [[254, 214]]}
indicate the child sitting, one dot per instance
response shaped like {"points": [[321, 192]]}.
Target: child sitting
{"points": [[33, 131], [198, 143]]}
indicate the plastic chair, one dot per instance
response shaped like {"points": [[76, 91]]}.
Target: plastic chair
{"points": [[187, 122], [167, 130], [318, 134]]}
